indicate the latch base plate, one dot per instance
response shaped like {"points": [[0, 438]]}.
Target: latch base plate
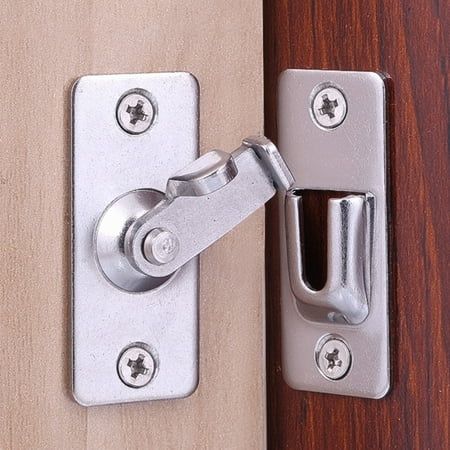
{"points": [[113, 158]]}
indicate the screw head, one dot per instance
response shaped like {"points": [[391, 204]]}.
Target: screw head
{"points": [[328, 107], [135, 111], [333, 357], [136, 366], [161, 246]]}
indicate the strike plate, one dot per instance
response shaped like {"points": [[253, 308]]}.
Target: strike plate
{"points": [[110, 159], [332, 135]]}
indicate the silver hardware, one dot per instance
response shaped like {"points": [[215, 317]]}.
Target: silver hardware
{"points": [[135, 111], [333, 357], [139, 249], [352, 158], [142, 238], [111, 167], [345, 296], [109, 239], [136, 366], [328, 106], [160, 246], [204, 201]]}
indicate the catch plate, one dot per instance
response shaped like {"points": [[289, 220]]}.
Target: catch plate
{"points": [[108, 162], [337, 147]]}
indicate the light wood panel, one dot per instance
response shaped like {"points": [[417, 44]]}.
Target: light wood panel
{"points": [[45, 46]]}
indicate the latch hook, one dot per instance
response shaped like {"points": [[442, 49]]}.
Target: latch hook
{"points": [[344, 298]]}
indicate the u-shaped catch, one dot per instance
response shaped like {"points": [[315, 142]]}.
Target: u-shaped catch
{"points": [[345, 296]]}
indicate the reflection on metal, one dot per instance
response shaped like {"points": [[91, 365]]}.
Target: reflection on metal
{"points": [[333, 357], [332, 135], [206, 200], [117, 177], [345, 297], [144, 237], [135, 271], [110, 235]]}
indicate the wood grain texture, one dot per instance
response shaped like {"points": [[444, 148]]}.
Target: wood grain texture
{"points": [[45, 46], [409, 40]]}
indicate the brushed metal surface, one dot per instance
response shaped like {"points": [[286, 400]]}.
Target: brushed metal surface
{"points": [[349, 158], [208, 199], [108, 163]]}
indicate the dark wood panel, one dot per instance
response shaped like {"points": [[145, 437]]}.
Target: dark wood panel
{"points": [[408, 39]]}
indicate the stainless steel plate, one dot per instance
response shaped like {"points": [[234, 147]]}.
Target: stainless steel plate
{"points": [[109, 162], [345, 151]]}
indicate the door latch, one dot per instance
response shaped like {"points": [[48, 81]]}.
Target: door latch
{"points": [[145, 206], [139, 221]]}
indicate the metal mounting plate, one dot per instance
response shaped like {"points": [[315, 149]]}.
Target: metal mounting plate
{"points": [[349, 157], [107, 163]]}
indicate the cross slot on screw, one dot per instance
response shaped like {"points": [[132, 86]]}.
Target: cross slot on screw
{"points": [[333, 357], [136, 366], [328, 107], [135, 111]]}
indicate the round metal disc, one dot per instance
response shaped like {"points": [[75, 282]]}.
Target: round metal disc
{"points": [[110, 238]]}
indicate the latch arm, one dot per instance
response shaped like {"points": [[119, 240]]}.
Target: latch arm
{"points": [[203, 202]]}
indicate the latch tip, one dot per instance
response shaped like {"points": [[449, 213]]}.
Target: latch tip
{"points": [[267, 151]]}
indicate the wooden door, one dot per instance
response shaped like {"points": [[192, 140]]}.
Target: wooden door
{"points": [[409, 40], [45, 46]]}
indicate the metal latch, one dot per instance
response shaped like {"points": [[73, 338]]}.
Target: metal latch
{"points": [[145, 205], [139, 221], [202, 202]]}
